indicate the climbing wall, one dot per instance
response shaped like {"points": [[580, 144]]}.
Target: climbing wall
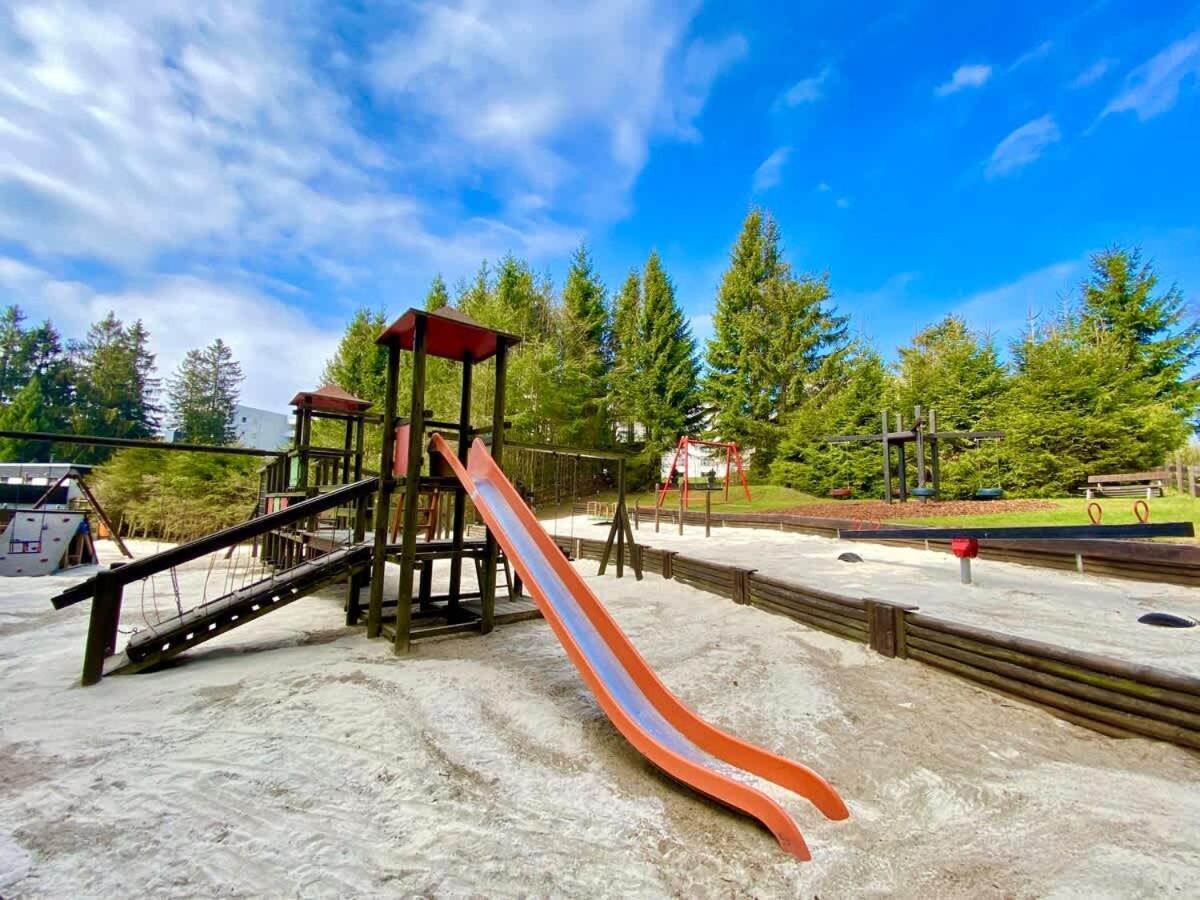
{"points": [[41, 541]]}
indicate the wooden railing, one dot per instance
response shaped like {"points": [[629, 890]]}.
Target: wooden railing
{"points": [[107, 586]]}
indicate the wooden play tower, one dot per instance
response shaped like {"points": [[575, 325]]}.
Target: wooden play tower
{"points": [[453, 335]]}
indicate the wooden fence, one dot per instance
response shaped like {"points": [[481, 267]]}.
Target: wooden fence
{"points": [[1132, 560], [1110, 696]]}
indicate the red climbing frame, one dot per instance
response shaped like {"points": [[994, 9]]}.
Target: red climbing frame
{"points": [[732, 457]]}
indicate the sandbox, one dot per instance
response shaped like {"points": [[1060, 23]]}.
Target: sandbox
{"points": [[292, 758]]}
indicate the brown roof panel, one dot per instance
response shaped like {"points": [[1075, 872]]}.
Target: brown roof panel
{"points": [[450, 334], [331, 398]]}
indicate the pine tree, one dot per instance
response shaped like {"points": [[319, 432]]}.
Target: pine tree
{"points": [[359, 365], [438, 296], [772, 332], [846, 402], [145, 415], [115, 374], [585, 343], [947, 368], [667, 372], [204, 394], [1076, 407], [14, 363], [1153, 332], [624, 352]]}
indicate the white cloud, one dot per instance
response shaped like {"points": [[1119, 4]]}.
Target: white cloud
{"points": [[1041, 51], [548, 98], [1022, 146], [1092, 73], [824, 187], [1153, 87], [971, 76], [149, 136], [770, 171], [280, 348], [806, 90], [842, 202]]}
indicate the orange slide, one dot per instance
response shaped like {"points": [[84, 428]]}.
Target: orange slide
{"points": [[650, 717]]}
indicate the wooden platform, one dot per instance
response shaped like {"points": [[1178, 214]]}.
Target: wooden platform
{"points": [[426, 625]]}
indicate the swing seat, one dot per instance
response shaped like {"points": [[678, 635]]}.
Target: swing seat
{"points": [[842, 493], [992, 493], [927, 493]]}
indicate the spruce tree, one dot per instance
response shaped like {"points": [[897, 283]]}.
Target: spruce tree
{"points": [[14, 362], [847, 401], [624, 342], [1153, 332], [438, 296], [116, 383], [204, 394], [359, 365], [585, 343], [948, 368], [666, 362], [772, 332]]}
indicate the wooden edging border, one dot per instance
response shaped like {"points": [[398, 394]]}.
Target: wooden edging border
{"points": [[1131, 560], [1110, 696]]}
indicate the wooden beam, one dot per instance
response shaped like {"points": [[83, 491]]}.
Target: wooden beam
{"points": [[383, 497], [412, 490]]}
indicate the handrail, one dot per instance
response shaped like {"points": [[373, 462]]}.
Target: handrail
{"points": [[178, 555]]}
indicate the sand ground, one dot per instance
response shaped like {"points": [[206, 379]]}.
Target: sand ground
{"points": [[292, 757], [1083, 612]]}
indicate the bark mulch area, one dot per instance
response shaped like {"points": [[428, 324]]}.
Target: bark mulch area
{"points": [[877, 510]]}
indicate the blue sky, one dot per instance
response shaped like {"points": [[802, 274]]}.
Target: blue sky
{"points": [[257, 170]]}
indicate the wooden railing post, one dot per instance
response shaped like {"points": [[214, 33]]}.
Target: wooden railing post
{"points": [[102, 626]]}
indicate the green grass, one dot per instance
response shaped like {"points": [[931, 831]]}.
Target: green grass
{"points": [[1073, 511]]}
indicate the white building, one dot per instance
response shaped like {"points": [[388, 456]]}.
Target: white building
{"points": [[262, 428]]}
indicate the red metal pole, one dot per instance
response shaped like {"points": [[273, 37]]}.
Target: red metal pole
{"points": [[742, 473]]}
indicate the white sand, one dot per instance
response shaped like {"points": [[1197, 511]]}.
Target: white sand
{"points": [[1083, 612], [292, 757]]}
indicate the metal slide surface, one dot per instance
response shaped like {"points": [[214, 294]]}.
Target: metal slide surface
{"points": [[650, 717]]}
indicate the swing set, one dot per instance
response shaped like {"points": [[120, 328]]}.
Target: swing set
{"points": [[708, 453]]}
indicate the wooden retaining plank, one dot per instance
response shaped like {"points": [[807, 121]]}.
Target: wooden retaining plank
{"points": [[1095, 712], [1132, 671], [846, 631], [1113, 699], [1084, 675], [813, 611], [803, 597]]}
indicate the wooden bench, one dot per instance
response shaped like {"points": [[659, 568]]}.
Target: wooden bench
{"points": [[842, 493], [1127, 484]]}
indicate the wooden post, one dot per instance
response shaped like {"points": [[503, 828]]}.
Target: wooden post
{"points": [[305, 411], [920, 430], [412, 490], [901, 462], [934, 463], [886, 627], [383, 496], [708, 513], [102, 626], [460, 495], [103, 516], [487, 601], [887, 462], [347, 444], [657, 507], [1191, 479], [637, 515]]}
